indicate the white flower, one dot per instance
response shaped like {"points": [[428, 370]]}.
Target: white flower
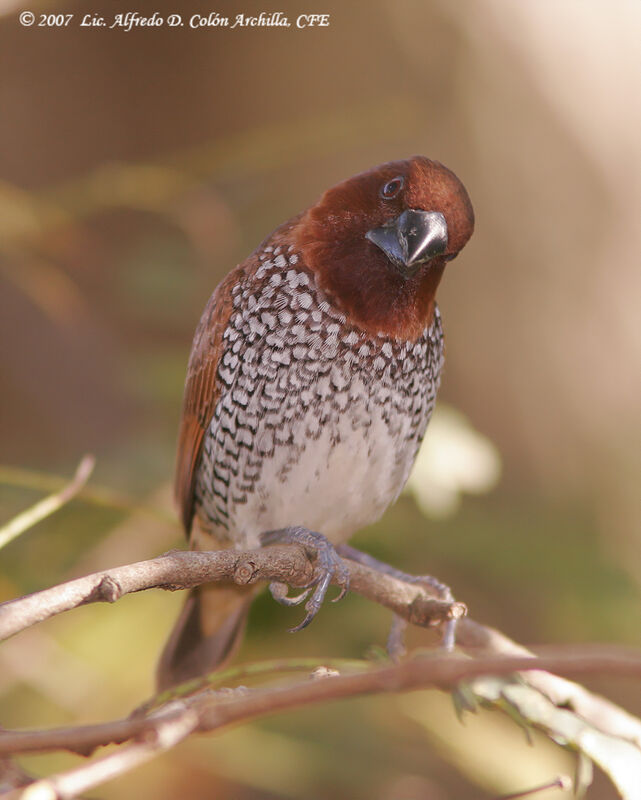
{"points": [[454, 458]]}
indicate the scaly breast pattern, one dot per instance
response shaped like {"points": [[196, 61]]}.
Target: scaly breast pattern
{"points": [[318, 423]]}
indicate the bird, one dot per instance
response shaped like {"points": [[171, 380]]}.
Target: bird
{"points": [[312, 377]]}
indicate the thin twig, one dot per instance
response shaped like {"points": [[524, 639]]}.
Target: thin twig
{"points": [[48, 505], [216, 710], [96, 495], [12, 776], [563, 782], [169, 729]]}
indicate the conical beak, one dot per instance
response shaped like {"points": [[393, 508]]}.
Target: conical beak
{"points": [[411, 239]]}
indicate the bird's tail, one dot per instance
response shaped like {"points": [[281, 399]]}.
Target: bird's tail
{"points": [[206, 634]]}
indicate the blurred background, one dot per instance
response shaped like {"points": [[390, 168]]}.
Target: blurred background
{"points": [[136, 168]]}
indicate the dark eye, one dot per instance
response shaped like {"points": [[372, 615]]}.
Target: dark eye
{"points": [[391, 189]]}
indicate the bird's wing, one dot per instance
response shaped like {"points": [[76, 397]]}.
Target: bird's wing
{"points": [[202, 391]]}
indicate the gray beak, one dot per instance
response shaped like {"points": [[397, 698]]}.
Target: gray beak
{"points": [[411, 239]]}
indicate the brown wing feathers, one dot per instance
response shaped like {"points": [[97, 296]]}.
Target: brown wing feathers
{"points": [[201, 393]]}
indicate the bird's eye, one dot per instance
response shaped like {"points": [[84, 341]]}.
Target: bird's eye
{"points": [[391, 189]]}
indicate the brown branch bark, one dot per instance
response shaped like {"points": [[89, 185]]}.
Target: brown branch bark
{"points": [[184, 569], [169, 729], [216, 710]]}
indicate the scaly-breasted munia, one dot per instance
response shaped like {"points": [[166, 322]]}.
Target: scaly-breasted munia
{"points": [[312, 377]]}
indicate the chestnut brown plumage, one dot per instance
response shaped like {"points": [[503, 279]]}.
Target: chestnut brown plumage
{"points": [[311, 380]]}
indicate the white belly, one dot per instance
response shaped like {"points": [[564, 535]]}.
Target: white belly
{"points": [[341, 481]]}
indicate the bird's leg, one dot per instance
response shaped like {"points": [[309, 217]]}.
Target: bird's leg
{"points": [[328, 565], [395, 645]]}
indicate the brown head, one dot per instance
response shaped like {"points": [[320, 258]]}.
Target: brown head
{"points": [[378, 242]]}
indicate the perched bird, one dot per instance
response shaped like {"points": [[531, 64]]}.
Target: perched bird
{"points": [[311, 380]]}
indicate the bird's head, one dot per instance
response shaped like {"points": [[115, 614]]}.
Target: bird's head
{"points": [[378, 242]]}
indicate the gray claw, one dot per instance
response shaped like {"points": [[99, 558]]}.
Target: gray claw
{"points": [[328, 565]]}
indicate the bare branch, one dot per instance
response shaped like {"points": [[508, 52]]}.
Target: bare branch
{"points": [[47, 506], [12, 776], [11, 475], [560, 782], [169, 729], [218, 709], [184, 569]]}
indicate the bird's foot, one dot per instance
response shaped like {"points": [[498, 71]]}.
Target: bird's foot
{"points": [[395, 640], [328, 565]]}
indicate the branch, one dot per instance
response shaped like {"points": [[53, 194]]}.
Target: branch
{"points": [[12, 776], [216, 710], [185, 569], [48, 505], [169, 729], [145, 735]]}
